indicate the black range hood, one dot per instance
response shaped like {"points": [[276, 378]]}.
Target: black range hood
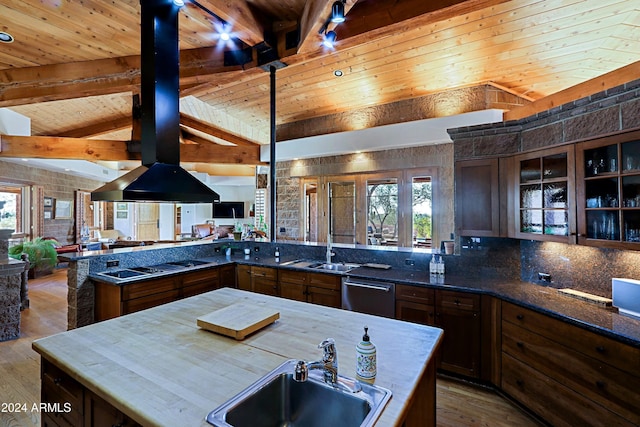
{"points": [[160, 178]]}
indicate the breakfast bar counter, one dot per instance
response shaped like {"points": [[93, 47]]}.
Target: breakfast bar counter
{"points": [[158, 368]]}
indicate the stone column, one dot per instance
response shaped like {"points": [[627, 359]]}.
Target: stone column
{"points": [[10, 282], [80, 296]]}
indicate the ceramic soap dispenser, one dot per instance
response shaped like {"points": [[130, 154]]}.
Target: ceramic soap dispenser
{"points": [[366, 358]]}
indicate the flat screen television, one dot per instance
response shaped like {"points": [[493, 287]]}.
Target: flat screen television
{"points": [[227, 210]]}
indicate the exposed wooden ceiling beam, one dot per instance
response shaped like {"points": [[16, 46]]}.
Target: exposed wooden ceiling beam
{"points": [[97, 129], [29, 85], [48, 147], [313, 17], [606, 81], [53, 147], [238, 13], [214, 131], [372, 19]]}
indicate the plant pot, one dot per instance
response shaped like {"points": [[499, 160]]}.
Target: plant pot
{"points": [[41, 271], [237, 235]]}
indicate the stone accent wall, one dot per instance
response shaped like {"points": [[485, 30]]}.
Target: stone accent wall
{"points": [[457, 101], [289, 175], [58, 185], [606, 112]]}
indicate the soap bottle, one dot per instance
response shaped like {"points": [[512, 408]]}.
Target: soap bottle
{"points": [[366, 358], [433, 267], [440, 266], [277, 254]]}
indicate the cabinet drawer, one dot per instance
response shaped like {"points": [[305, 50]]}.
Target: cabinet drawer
{"points": [[198, 288], [290, 276], [553, 401], [150, 287], [597, 381], [458, 300], [264, 272], [59, 388], [327, 281], [415, 312], [614, 353], [323, 296], [197, 277], [415, 294], [131, 306]]}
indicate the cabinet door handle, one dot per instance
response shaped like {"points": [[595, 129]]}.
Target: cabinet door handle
{"points": [[456, 301], [600, 349], [520, 344], [600, 384], [57, 381], [520, 383], [520, 316]]}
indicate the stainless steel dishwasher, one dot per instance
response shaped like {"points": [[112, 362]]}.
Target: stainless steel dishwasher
{"points": [[369, 296]]}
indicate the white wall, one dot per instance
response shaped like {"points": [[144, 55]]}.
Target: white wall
{"points": [[167, 221]]}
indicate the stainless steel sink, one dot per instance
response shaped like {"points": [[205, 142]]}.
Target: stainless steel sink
{"points": [[278, 400], [336, 266], [123, 274], [319, 265], [189, 263]]}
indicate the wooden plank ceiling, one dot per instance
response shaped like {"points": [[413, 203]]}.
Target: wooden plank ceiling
{"points": [[74, 66]]}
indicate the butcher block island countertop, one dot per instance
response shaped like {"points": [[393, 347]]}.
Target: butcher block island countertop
{"points": [[159, 368]]}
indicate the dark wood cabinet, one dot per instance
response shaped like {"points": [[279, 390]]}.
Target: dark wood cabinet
{"points": [[263, 280], [457, 313], [227, 276], [316, 288], [544, 195], [70, 404], [113, 300], [608, 173], [478, 207], [566, 374], [415, 304]]}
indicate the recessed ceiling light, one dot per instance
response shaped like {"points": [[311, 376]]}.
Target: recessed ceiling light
{"points": [[338, 73], [6, 37]]}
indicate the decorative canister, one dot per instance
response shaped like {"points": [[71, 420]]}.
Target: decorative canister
{"points": [[366, 358]]}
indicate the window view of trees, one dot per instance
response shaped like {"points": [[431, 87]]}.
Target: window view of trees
{"points": [[8, 212], [382, 208], [421, 203]]}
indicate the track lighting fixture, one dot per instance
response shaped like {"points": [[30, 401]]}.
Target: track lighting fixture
{"points": [[329, 39], [178, 3], [337, 12], [224, 33]]}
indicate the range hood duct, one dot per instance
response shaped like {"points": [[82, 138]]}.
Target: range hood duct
{"points": [[160, 178]]}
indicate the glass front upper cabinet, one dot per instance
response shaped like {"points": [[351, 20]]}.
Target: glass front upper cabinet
{"points": [[545, 191], [609, 203]]}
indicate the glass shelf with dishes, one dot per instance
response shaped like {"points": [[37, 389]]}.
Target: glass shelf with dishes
{"points": [[545, 194], [608, 174]]}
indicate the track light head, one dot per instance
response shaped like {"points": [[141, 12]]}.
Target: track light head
{"points": [[337, 12], [329, 39]]}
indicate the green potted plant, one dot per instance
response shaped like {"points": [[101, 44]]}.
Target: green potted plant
{"points": [[237, 232], [42, 255]]}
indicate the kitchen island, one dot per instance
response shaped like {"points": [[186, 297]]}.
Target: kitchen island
{"points": [[157, 368]]}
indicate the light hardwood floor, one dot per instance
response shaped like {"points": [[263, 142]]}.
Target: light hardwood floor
{"points": [[458, 404]]}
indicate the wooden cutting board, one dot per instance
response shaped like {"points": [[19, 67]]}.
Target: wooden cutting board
{"points": [[238, 320]]}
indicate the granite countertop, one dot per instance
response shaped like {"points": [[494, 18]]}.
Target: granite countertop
{"points": [[540, 298]]}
